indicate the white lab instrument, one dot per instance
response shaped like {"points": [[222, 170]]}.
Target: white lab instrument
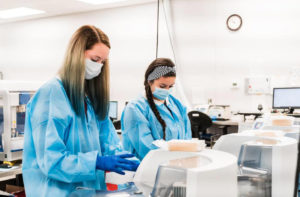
{"points": [[219, 112], [14, 96], [284, 149], [231, 143], [269, 120], [268, 167], [215, 111], [117, 179], [190, 174], [202, 108], [206, 173], [286, 125]]}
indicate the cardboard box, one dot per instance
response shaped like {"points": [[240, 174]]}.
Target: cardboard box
{"points": [[16, 190]]}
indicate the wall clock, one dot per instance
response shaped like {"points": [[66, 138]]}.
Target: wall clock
{"points": [[234, 22]]}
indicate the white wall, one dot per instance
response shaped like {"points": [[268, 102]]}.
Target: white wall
{"points": [[210, 57], [35, 49]]}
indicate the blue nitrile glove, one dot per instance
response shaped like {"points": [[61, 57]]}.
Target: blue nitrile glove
{"points": [[117, 163]]}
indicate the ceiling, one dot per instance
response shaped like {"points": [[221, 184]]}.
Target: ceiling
{"points": [[59, 7]]}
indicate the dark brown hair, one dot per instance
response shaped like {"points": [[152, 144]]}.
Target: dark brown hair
{"points": [[157, 62]]}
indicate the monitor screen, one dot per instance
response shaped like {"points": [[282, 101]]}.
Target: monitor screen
{"points": [[285, 98], [113, 109]]}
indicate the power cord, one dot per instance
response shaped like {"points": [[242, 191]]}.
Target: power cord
{"points": [[157, 27]]}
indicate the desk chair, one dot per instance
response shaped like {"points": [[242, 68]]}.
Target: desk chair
{"points": [[200, 122], [117, 124]]}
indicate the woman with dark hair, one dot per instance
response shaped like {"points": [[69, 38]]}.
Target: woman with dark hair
{"points": [[69, 140], [155, 115]]}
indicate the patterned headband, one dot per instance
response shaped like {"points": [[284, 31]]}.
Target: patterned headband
{"points": [[160, 71]]}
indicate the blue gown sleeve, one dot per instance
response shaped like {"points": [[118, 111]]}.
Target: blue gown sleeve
{"points": [[49, 123], [109, 140], [137, 128]]}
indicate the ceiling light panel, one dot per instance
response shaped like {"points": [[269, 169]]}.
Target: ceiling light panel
{"points": [[19, 12], [98, 2]]}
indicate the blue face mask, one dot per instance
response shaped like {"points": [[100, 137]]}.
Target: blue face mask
{"points": [[161, 93]]}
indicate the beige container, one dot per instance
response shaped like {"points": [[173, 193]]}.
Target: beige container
{"points": [[186, 145], [282, 121], [183, 146]]}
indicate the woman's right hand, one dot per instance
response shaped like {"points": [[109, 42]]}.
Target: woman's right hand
{"points": [[117, 163]]}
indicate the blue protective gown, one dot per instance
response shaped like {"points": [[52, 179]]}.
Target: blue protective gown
{"points": [[60, 148], [140, 127]]}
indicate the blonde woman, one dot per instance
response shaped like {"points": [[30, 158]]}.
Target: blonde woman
{"points": [[69, 139]]}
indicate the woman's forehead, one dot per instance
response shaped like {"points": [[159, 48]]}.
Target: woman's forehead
{"points": [[166, 80], [100, 50]]}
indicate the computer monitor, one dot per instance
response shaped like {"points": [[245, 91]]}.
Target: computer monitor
{"points": [[286, 98], [113, 110]]}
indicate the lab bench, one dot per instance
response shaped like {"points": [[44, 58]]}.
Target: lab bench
{"points": [[11, 177], [7, 174]]}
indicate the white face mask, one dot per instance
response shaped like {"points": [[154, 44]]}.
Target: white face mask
{"points": [[92, 69]]}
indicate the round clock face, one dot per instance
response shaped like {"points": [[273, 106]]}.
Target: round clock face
{"points": [[234, 22]]}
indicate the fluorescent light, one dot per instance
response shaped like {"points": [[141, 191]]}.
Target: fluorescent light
{"points": [[18, 12], [98, 2]]}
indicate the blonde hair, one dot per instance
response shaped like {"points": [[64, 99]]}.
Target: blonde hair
{"points": [[72, 72]]}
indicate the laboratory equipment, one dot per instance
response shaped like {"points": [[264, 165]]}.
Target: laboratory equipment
{"points": [[231, 143], [267, 167], [179, 174], [286, 98], [277, 150], [285, 125], [219, 112], [14, 95], [191, 174], [202, 108], [278, 122], [130, 190], [170, 181], [113, 110]]}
